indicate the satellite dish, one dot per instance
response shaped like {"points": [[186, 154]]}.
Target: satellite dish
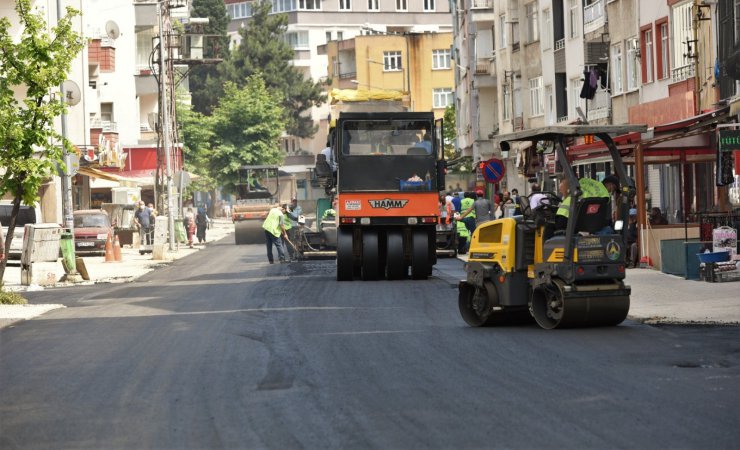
{"points": [[112, 30], [71, 91]]}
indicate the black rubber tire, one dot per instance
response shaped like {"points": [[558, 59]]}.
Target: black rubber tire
{"points": [[421, 266], [474, 305], [395, 263], [345, 257], [370, 255]]}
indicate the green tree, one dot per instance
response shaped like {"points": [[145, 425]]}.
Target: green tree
{"points": [[205, 83], [30, 147], [196, 132], [456, 163], [246, 126], [263, 49]]}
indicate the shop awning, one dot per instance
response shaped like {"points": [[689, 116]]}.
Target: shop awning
{"points": [[110, 179], [686, 140]]}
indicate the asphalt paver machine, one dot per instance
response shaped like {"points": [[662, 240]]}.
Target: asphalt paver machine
{"points": [[521, 267]]}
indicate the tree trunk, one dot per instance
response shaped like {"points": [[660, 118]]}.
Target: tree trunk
{"points": [[11, 231]]}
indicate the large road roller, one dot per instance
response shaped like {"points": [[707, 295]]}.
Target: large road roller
{"points": [[390, 170], [529, 267], [260, 188]]}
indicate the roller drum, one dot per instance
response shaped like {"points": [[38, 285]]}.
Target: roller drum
{"points": [[553, 307], [249, 232]]}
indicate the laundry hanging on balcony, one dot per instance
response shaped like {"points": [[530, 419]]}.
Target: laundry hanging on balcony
{"points": [[590, 83]]}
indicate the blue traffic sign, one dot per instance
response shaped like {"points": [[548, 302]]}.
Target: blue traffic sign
{"points": [[494, 170]]}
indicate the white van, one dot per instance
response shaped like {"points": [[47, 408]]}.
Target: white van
{"points": [[27, 214]]}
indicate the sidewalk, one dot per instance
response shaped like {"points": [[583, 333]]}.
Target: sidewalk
{"points": [[132, 266], [656, 297]]}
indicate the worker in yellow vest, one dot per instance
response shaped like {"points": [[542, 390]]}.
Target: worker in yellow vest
{"points": [[274, 226], [463, 235], [589, 188]]}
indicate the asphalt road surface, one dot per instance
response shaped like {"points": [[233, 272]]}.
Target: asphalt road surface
{"points": [[222, 350]]}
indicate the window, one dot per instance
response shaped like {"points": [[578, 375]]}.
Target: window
{"points": [[515, 36], [297, 39], [507, 102], [546, 29], [328, 36], [372, 5], [647, 56], [279, 6], [442, 97], [340, 35], [616, 69], [575, 96], [664, 62], [533, 26], [550, 110], [345, 5], [682, 29], [106, 112], [441, 59], [537, 108], [239, 10], [401, 5], [632, 62], [310, 5], [574, 4], [502, 29], [428, 5], [391, 61]]}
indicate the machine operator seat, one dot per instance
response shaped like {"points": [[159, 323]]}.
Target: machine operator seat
{"points": [[593, 214], [417, 151], [323, 170]]}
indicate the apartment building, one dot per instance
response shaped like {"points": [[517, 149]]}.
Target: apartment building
{"points": [[114, 98], [314, 23], [522, 64], [419, 65]]}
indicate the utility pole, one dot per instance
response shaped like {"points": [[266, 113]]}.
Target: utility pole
{"points": [[67, 204], [164, 116]]}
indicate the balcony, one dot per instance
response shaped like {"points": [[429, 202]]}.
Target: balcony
{"points": [[482, 11], [107, 126], [600, 106], [485, 72], [594, 16], [559, 44], [483, 66], [682, 73]]}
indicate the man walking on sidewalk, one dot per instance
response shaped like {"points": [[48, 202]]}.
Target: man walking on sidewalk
{"points": [[274, 229]]}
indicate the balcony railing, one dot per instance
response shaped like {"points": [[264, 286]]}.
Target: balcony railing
{"points": [[483, 66], [559, 44], [593, 16], [105, 125], [682, 73], [482, 4], [562, 119], [348, 75]]}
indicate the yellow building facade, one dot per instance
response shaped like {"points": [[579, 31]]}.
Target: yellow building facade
{"points": [[417, 64]]}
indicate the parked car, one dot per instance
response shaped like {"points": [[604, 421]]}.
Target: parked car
{"points": [[27, 214], [92, 227]]}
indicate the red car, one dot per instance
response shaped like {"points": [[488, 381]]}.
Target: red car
{"points": [[91, 231]]}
